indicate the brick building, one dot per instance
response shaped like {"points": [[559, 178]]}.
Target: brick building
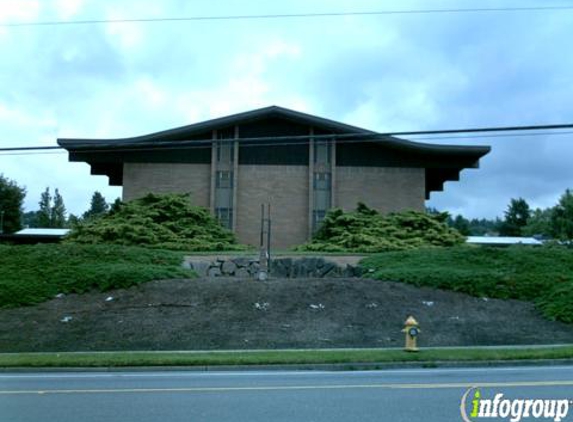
{"points": [[301, 164]]}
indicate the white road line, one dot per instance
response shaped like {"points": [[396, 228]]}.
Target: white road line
{"points": [[401, 386], [271, 373]]}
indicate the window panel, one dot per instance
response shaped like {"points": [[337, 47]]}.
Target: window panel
{"points": [[317, 218], [224, 179], [225, 152], [225, 217], [321, 181], [322, 152]]}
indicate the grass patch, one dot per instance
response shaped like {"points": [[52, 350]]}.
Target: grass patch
{"points": [[279, 357], [33, 274], [543, 275]]}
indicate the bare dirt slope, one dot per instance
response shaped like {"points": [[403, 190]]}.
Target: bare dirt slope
{"points": [[284, 313]]}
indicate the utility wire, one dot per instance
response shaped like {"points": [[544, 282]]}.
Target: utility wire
{"points": [[287, 140], [288, 16]]}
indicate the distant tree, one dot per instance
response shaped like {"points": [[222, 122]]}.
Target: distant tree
{"points": [[73, 220], [45, 213], [442, 216], [462, 225], [11, 200], [432, 211], [484, 227], [98, 206], [58, 214], [51, 214], [562, 217], [115, 206], [30, 219], [539, 223], [516, 218]]}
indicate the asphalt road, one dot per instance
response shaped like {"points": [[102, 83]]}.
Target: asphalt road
{"points": [[392, 395]]}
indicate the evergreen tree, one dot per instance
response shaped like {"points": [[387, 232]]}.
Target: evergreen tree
{"points": [[30, 219], [462, 225], [52, 214], [115, 207], [562, 217], [539, 224], [98, 206], [45, 213], [516, 218], [58, 214], [73, 220], [11, 199]]}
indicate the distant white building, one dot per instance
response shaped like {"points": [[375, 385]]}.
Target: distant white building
{"points": [[33, 236], [503, 240], [43, 232]]}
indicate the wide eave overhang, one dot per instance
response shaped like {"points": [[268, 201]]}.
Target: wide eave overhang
{"points": [[442, 163]]}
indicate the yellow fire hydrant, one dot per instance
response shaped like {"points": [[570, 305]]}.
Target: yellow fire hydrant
{"points": [[412, 330]]}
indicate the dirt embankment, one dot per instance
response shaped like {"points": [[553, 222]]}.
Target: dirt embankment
{"points": [[285, 313]]}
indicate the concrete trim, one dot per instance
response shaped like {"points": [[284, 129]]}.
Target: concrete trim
{"points": [[213, 172], [310, 181], [333, 174], [235, 178]]}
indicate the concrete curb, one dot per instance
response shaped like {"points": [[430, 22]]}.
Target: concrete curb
{"points": [[328, 367]]}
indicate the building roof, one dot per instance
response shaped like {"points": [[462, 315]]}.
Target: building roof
{"points": [[43, 232], [503, 240], [106, 156]]}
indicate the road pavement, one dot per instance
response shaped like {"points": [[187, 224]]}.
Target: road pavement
{"points": [[390, 395]]}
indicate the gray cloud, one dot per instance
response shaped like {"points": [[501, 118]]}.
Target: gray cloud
{"points": [[384, 73]]}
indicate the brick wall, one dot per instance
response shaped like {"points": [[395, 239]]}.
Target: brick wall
{"points": [[385, 189], [142, 178], [286, 189]]}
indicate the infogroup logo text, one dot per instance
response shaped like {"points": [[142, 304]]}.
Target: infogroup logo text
{"points": [[512, 409]]}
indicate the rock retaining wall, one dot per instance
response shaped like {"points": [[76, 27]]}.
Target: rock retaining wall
{"points": [[243, 267]]}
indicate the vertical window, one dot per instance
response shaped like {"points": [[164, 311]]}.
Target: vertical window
{"points": [[224, 179], [225, 151], [321, 181], [225, 217], [225, 157], [322, 152], [317, 218]]}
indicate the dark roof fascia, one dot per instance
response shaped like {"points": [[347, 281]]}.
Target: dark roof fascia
{"points": [[435, 149], [350, 133], [219, 123], [109, 145]]}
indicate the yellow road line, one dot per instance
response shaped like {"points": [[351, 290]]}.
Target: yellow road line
{"points": [[294, 387]]}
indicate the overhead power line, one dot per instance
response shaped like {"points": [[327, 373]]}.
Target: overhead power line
{"points": [[288, 140], [61, 150], [288, 16]]}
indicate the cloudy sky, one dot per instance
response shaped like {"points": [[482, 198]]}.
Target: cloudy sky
{"points": [[399, 72]]}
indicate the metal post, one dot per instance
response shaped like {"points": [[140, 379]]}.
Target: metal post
{"points": [[262, 225], [265, 242], [263, 263], [269, 239]]}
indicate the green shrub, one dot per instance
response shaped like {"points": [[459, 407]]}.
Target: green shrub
{"points": [[365, 230], [543, 275], [160, 221], [33, 274], [557, 302]]}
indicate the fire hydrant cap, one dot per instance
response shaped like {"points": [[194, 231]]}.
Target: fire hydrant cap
{"points": [[411, 321]]}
